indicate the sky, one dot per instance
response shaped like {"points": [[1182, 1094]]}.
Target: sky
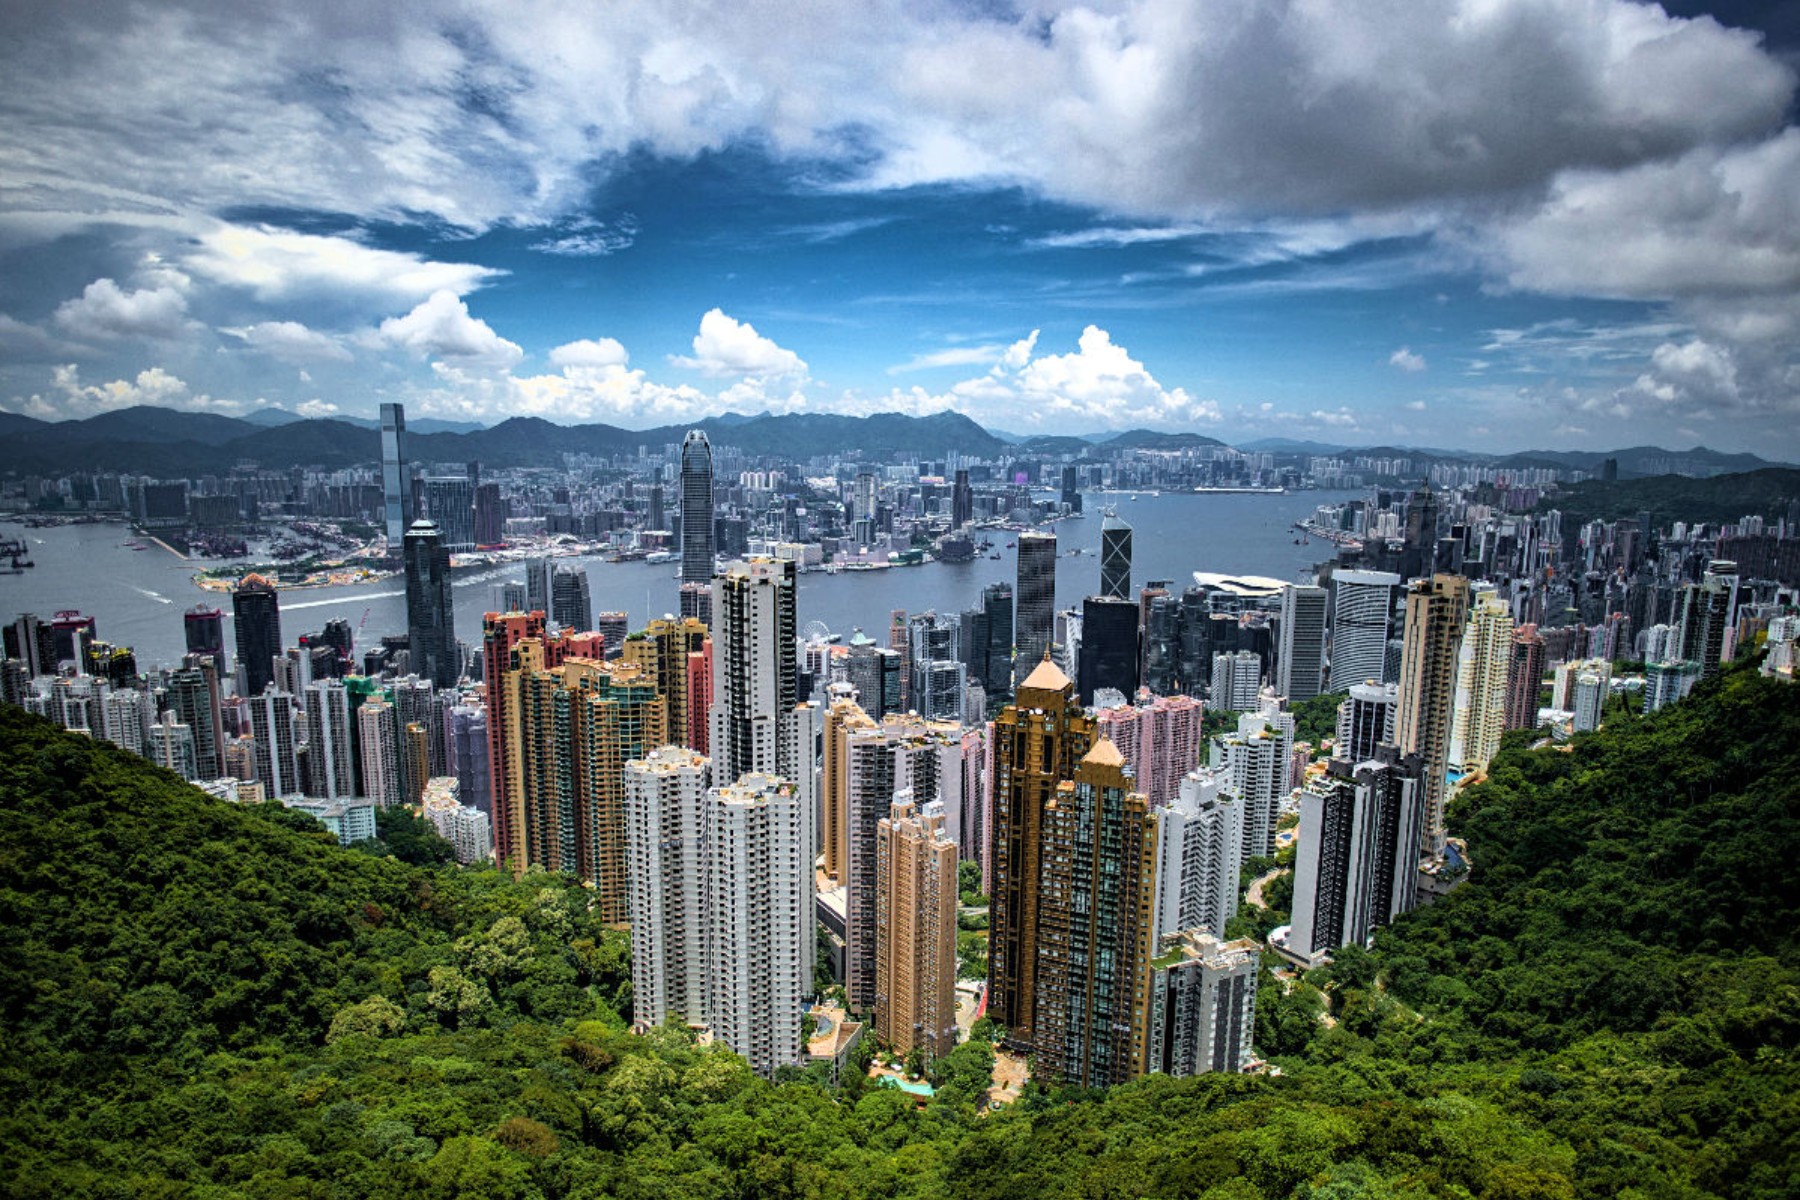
{"points": [[1486, 224]]}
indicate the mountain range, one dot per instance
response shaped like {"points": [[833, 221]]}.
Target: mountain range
{"points": [[169, 442]]}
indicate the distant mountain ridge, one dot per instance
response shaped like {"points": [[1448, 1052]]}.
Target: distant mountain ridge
{"points": [[178, 443]]}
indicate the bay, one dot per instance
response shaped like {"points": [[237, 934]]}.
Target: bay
{"points": [[137, 597]]}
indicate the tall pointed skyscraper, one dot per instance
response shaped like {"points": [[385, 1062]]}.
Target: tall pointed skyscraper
{"points": [[430, 625], [396, 480], [1037, 744], [696, 510], [1115, 557]]}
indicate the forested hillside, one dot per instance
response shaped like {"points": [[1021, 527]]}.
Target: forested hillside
{"points": [[202, 1000]]}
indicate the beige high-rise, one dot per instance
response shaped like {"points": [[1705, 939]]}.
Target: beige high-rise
{"points": [[1435, 611], [915, 930], [1481, 684]]}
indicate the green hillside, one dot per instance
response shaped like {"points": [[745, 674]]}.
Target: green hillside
{"points": [[209, 1001]]}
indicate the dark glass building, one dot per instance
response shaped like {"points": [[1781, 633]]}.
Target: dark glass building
{"points": [[256, 616], [430, 632]]}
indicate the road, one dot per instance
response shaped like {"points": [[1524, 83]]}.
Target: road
{"points": [[1254, 893]]}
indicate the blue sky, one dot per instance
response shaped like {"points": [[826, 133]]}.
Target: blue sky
{"points": [[1495, 224]]}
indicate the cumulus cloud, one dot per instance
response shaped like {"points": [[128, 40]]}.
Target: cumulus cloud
{"points": [[725, 347], [589, 352], [277, 265], [1406, 360], [1711, 224], [105, 310], [314, 410], [441, 327], [1099, 383], [290, 342], [68, 398]]}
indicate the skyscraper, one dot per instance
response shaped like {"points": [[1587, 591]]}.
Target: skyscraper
{"points": [[1109, 647], [1202, 1004], [1037, 744], [502, 635], [379, 734], [330, 741], [1255, 756], [450, 505], [915, 932], [396, 477], [1035, 619], [1481, 678], [256, 615], [1115, 557], [756, 671], [571, 607], [696, 509], [1097, 896], [997, 608], [196, 700], [1436, 609], [1357, 861], [1365, 720], [1524, 678], [1300, 662], [868, 764], [204, 625], [758, 920], [1361, 618], [272, 724], [678, 656], [1199, 850], [665, 811], [1419, 557], [430, 613], [962, 500], [1160, 738], [580, 720]]}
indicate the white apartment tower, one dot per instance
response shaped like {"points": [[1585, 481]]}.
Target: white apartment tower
{"points": [[665, 807], [757, 917], [1301, 665], [1199, 848], [1256, 761]]}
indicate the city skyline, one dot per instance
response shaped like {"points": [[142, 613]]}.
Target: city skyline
{"points": [[1508, 226]]}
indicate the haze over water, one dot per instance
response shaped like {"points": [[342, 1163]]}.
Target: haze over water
{"points": [[137, 597]]}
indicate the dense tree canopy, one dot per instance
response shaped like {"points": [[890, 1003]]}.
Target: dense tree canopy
{"points": [[202, 999]]}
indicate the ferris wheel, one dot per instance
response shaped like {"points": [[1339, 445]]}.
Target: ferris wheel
{"points": [[815, 631]]}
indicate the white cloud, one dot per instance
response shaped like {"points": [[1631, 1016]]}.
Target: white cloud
{"points": [[1406, 360], [955, 356], [315, 409], [726, 347], [291, 342], [606, 352], [105, 310], [279, 265], [441, 327], [68, 398], [1414, 406], [1098, 384], [1713, 223], [592, 239], [492, 113]]}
